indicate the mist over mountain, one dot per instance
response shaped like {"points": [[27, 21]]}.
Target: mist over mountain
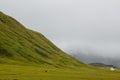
{"points": [[94, 59], [89, 55]]}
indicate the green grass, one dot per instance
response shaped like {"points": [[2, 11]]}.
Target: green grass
{"points": [[15, 72]]}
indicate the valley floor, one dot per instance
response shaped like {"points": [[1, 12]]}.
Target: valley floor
{"points": [[15, 72]]}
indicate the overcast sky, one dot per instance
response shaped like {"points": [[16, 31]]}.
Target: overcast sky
{"points": [[86, 26]]}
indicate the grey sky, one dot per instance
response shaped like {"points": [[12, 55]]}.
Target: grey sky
{"points": [[91, 26]]}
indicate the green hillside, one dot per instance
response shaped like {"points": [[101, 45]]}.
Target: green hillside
{"points": [[20, 45], [28, 55]]}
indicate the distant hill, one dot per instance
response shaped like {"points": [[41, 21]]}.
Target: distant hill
{"points": [[19, 45], [101, 65]]}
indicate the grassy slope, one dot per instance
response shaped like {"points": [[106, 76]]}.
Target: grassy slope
{"points": [[20, 45], [26, 55]]}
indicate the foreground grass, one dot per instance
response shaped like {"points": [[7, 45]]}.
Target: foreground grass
{"points": [[15, 72]]}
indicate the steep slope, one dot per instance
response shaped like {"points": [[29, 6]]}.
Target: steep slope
{"points": [[21, 45]]}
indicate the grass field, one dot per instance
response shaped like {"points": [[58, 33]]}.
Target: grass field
{"points": [[16, 72]]}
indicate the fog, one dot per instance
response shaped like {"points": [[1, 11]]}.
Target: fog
{"points": [[82, 27]]}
